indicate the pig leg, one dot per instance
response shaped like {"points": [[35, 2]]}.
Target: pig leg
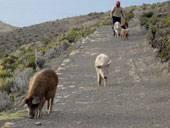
{"points": [[99, 79], [105, 82], [40, 109], [50, 106]]}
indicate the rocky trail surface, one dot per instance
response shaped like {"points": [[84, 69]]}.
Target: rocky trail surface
{"points": [[137, 95]]}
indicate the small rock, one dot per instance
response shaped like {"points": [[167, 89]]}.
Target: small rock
{"points": [[38, 123], [79, 122], [9, 124], [66, 60], [65, 44]]}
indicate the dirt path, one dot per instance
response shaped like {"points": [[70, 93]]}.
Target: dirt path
{"points": [[137, 95]]}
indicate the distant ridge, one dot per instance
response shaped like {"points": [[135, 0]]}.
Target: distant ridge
{"points": [[6, 27]]}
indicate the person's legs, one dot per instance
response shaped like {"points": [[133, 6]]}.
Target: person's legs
{"points": [[114, 19], [119, 19], [113, 22]]}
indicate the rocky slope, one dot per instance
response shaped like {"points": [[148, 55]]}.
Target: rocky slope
{"points": [[6, 27], [13, 40]]}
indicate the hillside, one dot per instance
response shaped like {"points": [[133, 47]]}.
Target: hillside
{"points": [[29, 49], [138, 90], [6, 27], [13, 40]]}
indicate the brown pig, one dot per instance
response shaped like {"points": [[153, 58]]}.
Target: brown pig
{"points": [[42, 87]]}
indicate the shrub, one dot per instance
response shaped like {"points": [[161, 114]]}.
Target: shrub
{"points": [[28, 60], [45, 40], [160, 10], [143, 20], [147, 14], [72, 35], [148, 18], [130, 14], [4, 75], [4, 100], [147, 26], [153, 6], [144, 7], [168, 21], [77, 33], [30, 63], [51, 44], [107, 21], [8, 60], [94, 25], [153, 20], [165, 48], [152, 29], [8, 63], [6, 86], [21, 79]]}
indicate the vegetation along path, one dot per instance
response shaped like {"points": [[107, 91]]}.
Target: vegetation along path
{"points": [[137, 95]]}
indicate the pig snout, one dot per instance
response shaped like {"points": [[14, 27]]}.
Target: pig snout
{"points": [[105, 77], [104, 72], [31, 114], [31, 117]]}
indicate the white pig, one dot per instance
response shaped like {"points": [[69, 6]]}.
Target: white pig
{"points": [[117, 29], [102, 64]]}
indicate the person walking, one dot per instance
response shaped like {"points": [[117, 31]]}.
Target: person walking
{"points": [[116, 13]]}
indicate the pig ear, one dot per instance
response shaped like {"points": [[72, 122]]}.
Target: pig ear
{"points": [[36, 100], [25, 101], [108, 64]]}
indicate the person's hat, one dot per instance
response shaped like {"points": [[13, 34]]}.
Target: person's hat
{"points": [[118, 3]]}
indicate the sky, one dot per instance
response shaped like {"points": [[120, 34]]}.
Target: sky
{"points": [[23, 13]]}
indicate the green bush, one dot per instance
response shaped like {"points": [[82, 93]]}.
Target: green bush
{"points": [[168, 21], [160, 10], [77, 33], [27, 60], [9, 63], [147, 26], [45, 40], [72, 35], [51, 44], [148, 18], [144, 7], [153, 6], [107, 21], [165, 51], [152, 29], [130, 14], [12, 98], [4, 75], [147, 14], [143, 20], [94, 25], [153, 20], [43, 50], [6, 86], [30, 63], [8, 59]]}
